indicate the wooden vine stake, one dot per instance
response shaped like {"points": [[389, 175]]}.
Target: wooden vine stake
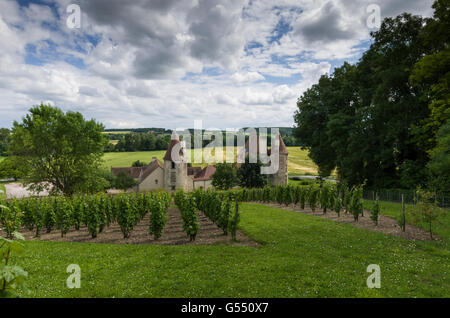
{"points": [[403, 214]]}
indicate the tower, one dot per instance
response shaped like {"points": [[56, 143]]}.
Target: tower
{"points": [[281, 177], [175, 166]]}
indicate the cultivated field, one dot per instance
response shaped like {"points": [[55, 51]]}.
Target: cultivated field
{"points": [[298, 256], [299, 162]]}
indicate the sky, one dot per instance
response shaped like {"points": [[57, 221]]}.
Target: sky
{"points": [[166, 63]]}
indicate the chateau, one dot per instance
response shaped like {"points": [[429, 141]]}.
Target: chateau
{"points": [[175, 174]]}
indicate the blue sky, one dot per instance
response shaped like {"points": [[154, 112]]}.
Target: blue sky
{"points": [[152, 63]]}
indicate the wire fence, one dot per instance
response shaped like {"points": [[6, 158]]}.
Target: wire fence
{"points": [[410, 196]]}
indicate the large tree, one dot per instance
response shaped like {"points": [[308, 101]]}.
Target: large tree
{"points": [[62, 151], [225, 176], [249, 175], [360, 118], [4, 140]]}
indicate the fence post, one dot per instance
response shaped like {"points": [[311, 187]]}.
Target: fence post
{"points": [[403, 215]]}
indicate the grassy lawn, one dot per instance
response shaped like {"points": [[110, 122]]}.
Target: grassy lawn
{"points": [[300, 256], [299, 162], [392, 209]]}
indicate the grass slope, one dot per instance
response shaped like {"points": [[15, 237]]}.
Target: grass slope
{"points": [[299, 162], [300, 256]]}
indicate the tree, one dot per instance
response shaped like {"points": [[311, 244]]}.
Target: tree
{"points": [[138, 163], [431, 74], [4, 141], [124, 181], [225, 176], [62, 151], [440, 159], [359, 119], [13, 167], [249, 175]]}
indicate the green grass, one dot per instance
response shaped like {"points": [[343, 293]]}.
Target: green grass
{"points": [[126, 159], [392, 209], [299, 162], [300, 256]]}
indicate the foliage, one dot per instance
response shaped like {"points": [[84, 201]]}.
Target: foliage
{"points": [[187, 205], [10, 218], [234, 221], [158, 217], [138, 163], [13, 167], [428, 211], [12, 277], [375, 211], [325, 197], [225, 176], [4, 141], [440, 159], [62, 151], [313, 195], [355, 204], [359, 119], [249, 175], [124, 181]]}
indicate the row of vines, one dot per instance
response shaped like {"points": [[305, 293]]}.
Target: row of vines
{"points": [[95, 212], [326, 197], [220, 207]]}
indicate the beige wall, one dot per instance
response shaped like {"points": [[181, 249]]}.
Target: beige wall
{"points": [[203, 184], [150, 182]]}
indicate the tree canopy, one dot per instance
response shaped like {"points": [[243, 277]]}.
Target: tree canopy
{"points": [[61, 151], [378, 120]]}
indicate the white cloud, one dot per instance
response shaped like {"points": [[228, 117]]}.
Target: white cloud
{"points": [[165, 63]]}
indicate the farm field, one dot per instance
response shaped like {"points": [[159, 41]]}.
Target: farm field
{"points": [[299, 162], [299, 256]]}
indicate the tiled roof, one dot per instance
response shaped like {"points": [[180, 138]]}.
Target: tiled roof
{"points": [[150, 168], [192, 171], [139, 173], [135, 172], [205, 174]]}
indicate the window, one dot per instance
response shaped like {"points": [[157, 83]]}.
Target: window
{"points": [[173, 188], [156, 181], [173, 165]]}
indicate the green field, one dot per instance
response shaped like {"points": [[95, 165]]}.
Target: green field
{"points": [[299, 162], [300, 256]]}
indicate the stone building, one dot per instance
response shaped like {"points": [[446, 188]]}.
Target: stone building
{"points": [[175, 174]]}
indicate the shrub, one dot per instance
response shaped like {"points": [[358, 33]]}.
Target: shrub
{"points": [[158, 218], [12, 277], [325, 197], [375, 211], [10, 218], [234, 221]]}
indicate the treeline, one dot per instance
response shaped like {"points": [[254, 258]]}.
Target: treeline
{"points": [[385, 120], [139, 142], [4, 141], [156, 139]]}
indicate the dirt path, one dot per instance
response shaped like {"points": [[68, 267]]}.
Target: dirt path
{"points": [[173, 234], [17, 190], [386, 224]]}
